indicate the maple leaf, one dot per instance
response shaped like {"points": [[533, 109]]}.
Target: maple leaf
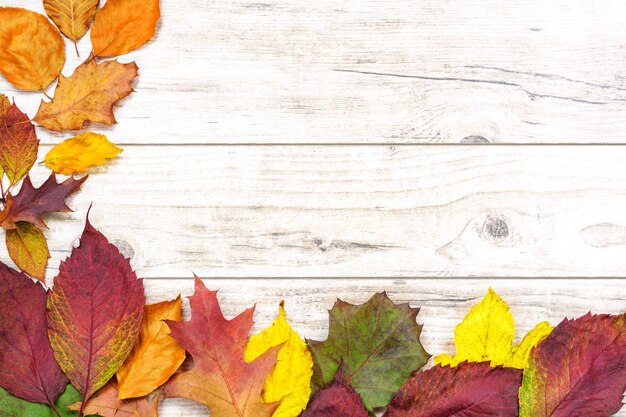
{"points": [[486, 334], [31, 203], [11, 406], [18, 141], [72, 17], [87, 95], [28, 369], [32, 52], [94, 312], [76, 154], [579, 370], [337, 399], [290, 381], [106, 403], [470, 390], [123, 25], [378, 341], [220, 378], [156, 356], [28, 249]]}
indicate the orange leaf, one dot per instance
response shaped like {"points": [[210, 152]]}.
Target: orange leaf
{"points": [[87, 95], [220, 378], [72, 17], [106, 404], [28, 248], [156, 356], [32, 51], [123, 25], [18, 141]]}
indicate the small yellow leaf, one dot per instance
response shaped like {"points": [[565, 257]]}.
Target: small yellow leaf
{"points": [[28, 248], [290, 380], [83, 151], [156, 356], [486, 334], [72, 17]]}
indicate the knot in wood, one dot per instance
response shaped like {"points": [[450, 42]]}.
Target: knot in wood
{"points": [[475, 139], [495, 229]]}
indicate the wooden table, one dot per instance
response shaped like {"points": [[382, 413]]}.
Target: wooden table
{"points": [[305, 151]]}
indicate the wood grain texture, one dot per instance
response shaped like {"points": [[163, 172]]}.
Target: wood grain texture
{"points": [[328, 71], [326, 211]]}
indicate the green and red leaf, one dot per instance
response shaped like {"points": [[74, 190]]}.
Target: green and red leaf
{"points": [[18, 141]]}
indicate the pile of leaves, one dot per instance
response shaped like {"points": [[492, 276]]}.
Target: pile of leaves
{"points": [[89, 346], [32, 56]]}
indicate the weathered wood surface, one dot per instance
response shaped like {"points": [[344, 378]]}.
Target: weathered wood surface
{"points": [[328, 71]]}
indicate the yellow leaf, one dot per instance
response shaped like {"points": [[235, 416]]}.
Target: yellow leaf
{"points": [[32, 51], [72, 17], [290, 380], [486, 334], [83, 151], [28, 248], [156, 356]]}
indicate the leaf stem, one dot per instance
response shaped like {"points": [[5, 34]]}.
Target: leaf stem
{"points": [[76, 48], [55, 410], [46, 94]]}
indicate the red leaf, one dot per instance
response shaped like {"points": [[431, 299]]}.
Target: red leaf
{"points": [[28, 369], [469, 390], [220, 378], [579, 370], [18, 141], [94, 312], [338, 399], [31, 203]]}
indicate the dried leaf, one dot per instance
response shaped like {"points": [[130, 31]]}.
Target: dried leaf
{"points": [[579, 370], [468, 390], [31, 203], [220, 378], [28, 369], [290, 381], [338, 399], [486, 334], [11, 406], [87, 95], [32, 52], [94, 312], [123, 25], [106, 403], [77, 154], [72, 17], [28, 248], [18, 141], [379, 343], [156, 356]]}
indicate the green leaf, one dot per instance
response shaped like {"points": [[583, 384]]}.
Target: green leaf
{"points": [[11, 406], [377, 341]]}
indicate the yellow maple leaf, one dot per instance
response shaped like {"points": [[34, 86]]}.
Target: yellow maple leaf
{"points": [[290, 380], [486, 334], [80, 152]]}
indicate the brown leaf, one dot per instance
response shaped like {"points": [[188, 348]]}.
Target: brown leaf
{"points": [[87, 95], [31, 203], [105, 403], [123, 25], [72, 17], [32, 51], [18, 141]]}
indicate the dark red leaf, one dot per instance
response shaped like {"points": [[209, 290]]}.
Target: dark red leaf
{"points": [[338, 399]]}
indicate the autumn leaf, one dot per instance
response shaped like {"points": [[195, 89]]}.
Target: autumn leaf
{"points": [[18, 141], [379, 343], [94, 312], [123, 25], [28, 249], [11, 406], [87, 95], [106, 403], [338, 399], [32, 51], [468, 390], [77, 154], [28, 369], [156, 356], [220, 378], [290, 381], [31, 203], [72, 17], [579, 370], [486, 334]]}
